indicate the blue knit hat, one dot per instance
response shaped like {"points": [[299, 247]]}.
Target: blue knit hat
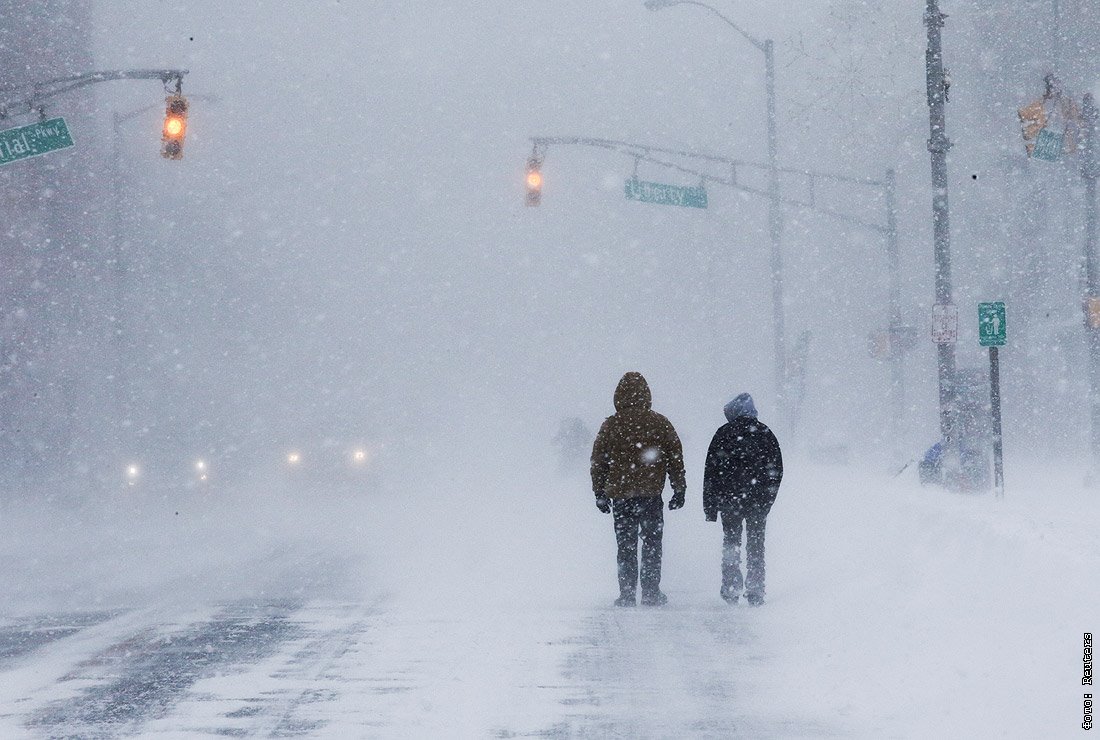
{"points": [[740, 406]]}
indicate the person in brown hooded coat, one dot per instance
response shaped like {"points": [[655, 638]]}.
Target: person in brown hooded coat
{"points": [[635, 450]]}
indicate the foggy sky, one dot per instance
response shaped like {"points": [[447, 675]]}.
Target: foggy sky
{"points": [[345, 247]]}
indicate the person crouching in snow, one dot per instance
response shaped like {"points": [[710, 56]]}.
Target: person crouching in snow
{"points": [[743, 472], [634, 451]]}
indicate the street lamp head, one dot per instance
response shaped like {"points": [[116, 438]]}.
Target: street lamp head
{"points": [[658, 4]]}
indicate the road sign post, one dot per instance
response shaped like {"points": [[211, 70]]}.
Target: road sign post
{"points": [[33, 140], [992, 333]]}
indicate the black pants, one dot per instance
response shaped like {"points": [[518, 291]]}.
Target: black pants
{"points": [[644, 517], [754, 552]]}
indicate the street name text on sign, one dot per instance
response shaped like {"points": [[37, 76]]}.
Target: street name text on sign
{"points": [[35, 139], [667, 195], [992, 331], [945, 323]]}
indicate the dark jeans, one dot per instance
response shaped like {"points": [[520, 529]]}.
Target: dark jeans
{"points": [[642, 516], [754, 552]]}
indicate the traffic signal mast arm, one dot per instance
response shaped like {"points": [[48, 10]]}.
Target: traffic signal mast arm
{"points": [[31, 97], [662, 157]]}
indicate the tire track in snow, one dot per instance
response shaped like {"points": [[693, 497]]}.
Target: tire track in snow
{"points": [[142, 677], [27, 636], [291, 693]]}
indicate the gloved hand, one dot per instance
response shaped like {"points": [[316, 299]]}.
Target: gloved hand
{"points": [[676, 502], [712, 516], [603, 503]]}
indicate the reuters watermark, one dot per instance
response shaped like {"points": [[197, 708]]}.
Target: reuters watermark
{"points": [[1086, 680]]}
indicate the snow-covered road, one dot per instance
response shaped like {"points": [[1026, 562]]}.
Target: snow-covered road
{"points": [[893, 612], [282, 669]]}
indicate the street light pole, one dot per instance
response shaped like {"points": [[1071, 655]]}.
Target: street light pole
{"points": [[1056, 16], [775, 214], [121, 387], [938, 146], [894, 329], [775, 231]]}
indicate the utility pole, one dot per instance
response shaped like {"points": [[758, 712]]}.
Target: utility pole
{"points": [[938, 146], [1090, 171]]}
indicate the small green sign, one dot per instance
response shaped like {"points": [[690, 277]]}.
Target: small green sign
{"points": [[666, 195], [37, 138], [991, 324], [1048, 146]]}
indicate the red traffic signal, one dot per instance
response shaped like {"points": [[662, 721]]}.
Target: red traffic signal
{"points": [[175, 127], [534, 182]]}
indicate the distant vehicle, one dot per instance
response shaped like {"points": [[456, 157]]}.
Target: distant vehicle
{"points": [[332, 463], [168, 473]]}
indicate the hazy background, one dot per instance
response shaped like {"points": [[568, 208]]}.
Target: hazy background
{"points": [[344, 252]]}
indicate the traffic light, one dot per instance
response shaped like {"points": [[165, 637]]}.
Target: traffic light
{"points": [[175, 127], [534, 181]]}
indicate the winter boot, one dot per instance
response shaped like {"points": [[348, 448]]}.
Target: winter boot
{"points": [[626, 600], [755, 599], [657, 598], [729, 595]]}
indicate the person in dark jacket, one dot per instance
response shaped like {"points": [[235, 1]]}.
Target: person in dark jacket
{"points": [[635, 450], [743, 472]]}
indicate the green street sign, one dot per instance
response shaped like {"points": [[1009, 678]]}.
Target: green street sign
{"points": [[666, 195], [37, 138], [1048, 146], [991, 324]]}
